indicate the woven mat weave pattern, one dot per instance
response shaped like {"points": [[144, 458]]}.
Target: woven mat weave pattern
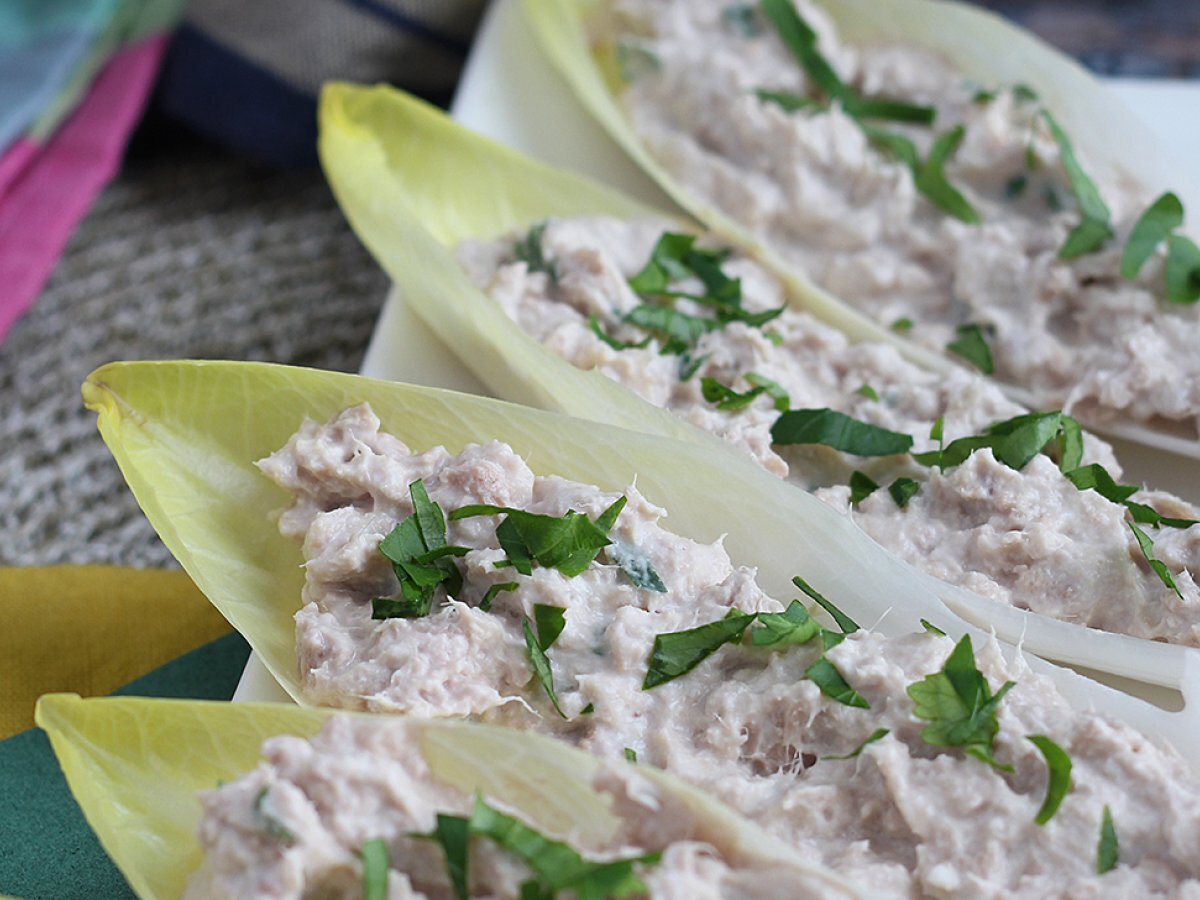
{"points": [[195, 256]]}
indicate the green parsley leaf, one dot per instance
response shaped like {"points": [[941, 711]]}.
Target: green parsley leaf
{"points": [[937, 430], [1093, 230], [973, 347], [801, 42], [1059, 765], [1071, 439], [529, 251], [876, 735], [630, 755], [867, 391], [896, 145], [375, 865], [771, 388], [982, 95], [1021, 438], [1183, 270], [598, 330], [861, 487], [677, 653], [550, 621], [903, 324], [1050, 196], [541, 665], [727, 398], [1106, 848], [1158, 566], [792, 626], [743, 19], [636, 566], [1097, 478], [666, 264], [902, 490], [931, 178], [679, 329], [689, 365], [634, 61], [557, 866], [420, 558], [271, 826], [486, 603], [959, 705], [1023, 93], [774, 337], [825, 675], [839, 431], [785, 100], [568, 543], [588, 710], [844, 622], [1162, 217], [931, 628]]}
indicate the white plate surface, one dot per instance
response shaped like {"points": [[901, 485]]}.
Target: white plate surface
{"points": [[511, 94]]}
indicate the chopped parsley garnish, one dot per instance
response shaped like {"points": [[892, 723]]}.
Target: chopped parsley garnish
{"points": [[839, 431], [801, 42], [1015, 186], [844, 622], [743, 18], [556, 866], [1154, 226], [1093, 229], [679, 330], [959, 706], [825, 675], [630, 755], [1014, 442], [1023, 93], [678, 652], [1096, 478], [931, 178], [785, 100], [636, 566], [550, 621], [972, 346], [1183, 270], [598, 331], [634, 61], [861, 487], [931, 628], [877, 735], [541, 665], [1106, 847], [421, 559], [792, 626], [689, 365], [529, 251], [903, 324], [568, 543], [902, 490], [1059, 765], [1157, 566], [728, 399], [494, 591], [271, 826], [375, 864], [867, 391], [774, 337]]}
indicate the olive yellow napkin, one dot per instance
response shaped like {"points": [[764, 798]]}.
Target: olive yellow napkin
{"points": [[92, 629]]}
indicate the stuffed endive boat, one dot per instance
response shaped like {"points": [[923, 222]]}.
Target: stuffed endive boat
{"points": [[160, 780], [921, 167], [396, 197], [758, 703]]}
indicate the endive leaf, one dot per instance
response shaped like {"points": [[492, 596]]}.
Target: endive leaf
{"points": [[359, 127], [185, 435], [135, 766], [984, 47]]}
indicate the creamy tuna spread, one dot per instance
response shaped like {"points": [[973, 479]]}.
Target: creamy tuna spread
{"points": [[313, 819], [911, 220], [911, 766], [1028, 536]]}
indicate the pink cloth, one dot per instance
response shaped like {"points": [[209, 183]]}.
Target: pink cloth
{"points": [[47, 190]]}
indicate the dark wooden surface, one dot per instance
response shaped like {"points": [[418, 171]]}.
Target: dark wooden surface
{"points": [[1132, 38]]}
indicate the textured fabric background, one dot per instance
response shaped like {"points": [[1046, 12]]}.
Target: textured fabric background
{"points": [[189, 254]]}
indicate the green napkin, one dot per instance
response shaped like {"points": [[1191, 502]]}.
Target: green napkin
{"points": [[48, 850]]}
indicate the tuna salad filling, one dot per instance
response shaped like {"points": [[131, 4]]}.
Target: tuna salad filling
{"points": [[948, 209], [465, 585], [358, 807], [707, 335]]}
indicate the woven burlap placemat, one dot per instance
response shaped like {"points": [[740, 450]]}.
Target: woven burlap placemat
{"points": [[189, 254]]}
